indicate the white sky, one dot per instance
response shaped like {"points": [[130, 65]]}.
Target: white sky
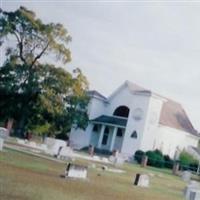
{"points": [[155, 44]]}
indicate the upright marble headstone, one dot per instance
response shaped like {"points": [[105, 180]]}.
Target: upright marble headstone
{"points": [[192, 191], [76, 171], [3, 136], [141, 180], [186, 176]]}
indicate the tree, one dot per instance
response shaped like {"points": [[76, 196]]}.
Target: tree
{"points": [[32, 91]]}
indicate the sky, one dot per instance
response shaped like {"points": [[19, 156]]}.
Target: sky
{"points": [[155, 44]]}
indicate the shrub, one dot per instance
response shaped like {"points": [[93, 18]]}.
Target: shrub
{"points": [[138, 156], [187, 161], [155, 158], [168, 162]]}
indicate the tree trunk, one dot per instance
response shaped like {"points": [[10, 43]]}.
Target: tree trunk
{"points": [[20, 129]]}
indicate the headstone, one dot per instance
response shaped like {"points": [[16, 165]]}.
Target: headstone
{"points": [[175, 168], [192, 187], [144, 161], [54, 145], [194, 194], [20, 141], [141, 180], [32, 144], [186, 176], [66, 153], [76, 171], [1, 144], [3, 135], [117, 159], [91, 150]]}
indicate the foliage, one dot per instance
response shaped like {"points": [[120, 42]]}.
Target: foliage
{"points": [[168, 162], [138, 155], [155, 158], [39, 96], [187, 161]]}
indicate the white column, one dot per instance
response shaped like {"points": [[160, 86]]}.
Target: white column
{"points": [[101, 136], [113, 138]]}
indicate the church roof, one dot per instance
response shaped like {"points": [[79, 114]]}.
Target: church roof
{"points": [[112, 120], [173, 115], [94, 93]]}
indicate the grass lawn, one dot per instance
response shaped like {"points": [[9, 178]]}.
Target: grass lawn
{"points": [[24, 177]]}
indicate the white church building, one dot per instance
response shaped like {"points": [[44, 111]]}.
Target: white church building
{"points": [[134, 118]]}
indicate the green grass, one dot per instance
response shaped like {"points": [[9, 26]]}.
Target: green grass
{"points": [[24, 177]]}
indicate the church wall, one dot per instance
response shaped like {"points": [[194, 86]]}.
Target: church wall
{"points": [[168, 139], [150, 127]]}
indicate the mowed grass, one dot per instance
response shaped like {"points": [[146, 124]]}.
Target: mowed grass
{"points": [[24, 177]]}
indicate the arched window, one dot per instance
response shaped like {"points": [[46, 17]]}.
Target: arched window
{"points": [[121, 111], [134, 134]]}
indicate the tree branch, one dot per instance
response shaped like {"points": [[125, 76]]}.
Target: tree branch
{"points": [[40, 54]]}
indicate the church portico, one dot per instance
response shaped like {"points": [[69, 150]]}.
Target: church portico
{"points": [[107, 136]]}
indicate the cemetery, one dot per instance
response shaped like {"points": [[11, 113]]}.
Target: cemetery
{"points": [[87, 177]]}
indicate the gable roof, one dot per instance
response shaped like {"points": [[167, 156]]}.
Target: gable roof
{"points": [[173, 115], [94, 93]]}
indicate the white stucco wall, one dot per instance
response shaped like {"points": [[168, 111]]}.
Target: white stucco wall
{"points": [[151, 123], [80, 138], [168, 139]]}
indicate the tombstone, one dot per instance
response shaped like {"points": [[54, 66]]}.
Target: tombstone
{"points": [[186, 176], [91, 150], [192, 191], [175, 168], [116, 159], [141, 180], [54, 146], [32, 144], [144, 161], [76, 171], [3, 136], [20, 141], [65, 153]]}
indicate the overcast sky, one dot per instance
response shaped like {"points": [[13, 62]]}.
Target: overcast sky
{"points": [[154, 44]]}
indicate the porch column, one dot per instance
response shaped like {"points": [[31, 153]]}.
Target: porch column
{"points": [[113, 138], [101, 136]]}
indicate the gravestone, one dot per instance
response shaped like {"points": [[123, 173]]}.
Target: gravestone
{"points": [[192, 191], [175, 169], [66, 153], [144, 161], [91, 150], [3, 136], [54, 145], [76, 171], [186, 176], [141, 180]]}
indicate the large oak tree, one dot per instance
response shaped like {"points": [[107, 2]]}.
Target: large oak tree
{"points": [[38, 95]]}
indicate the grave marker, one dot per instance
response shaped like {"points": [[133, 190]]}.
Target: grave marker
{"points": [[141, 180], [76, 171]]}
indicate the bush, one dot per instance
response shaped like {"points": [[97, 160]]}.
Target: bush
{"points": [[138, 156], [187, 161], [155, 158], [168, 162]]}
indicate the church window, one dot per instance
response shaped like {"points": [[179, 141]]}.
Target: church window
{"points": [[119, 132], [134, 134]]}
